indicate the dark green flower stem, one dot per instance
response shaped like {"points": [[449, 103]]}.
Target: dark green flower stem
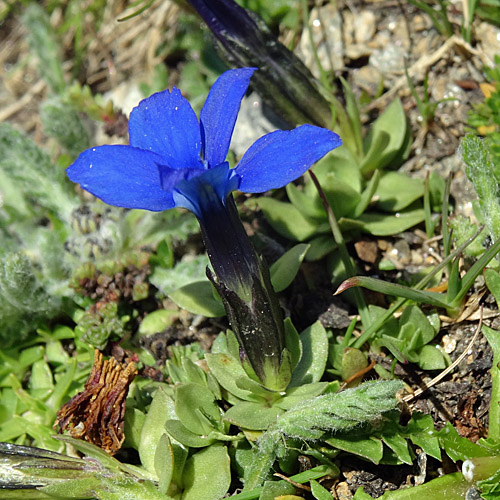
{"points": [[243, 282]]}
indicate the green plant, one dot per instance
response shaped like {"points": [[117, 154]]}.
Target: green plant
{"points": [[352, 187], [484, 118]]}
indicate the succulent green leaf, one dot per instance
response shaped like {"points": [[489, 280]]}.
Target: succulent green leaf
{"points": [[371, 449], [164, 463], [277, 489], [386, 138], [314, 356], [431, 358], [227, 370], [493, 338], [288, 220], [309, 205], [458, 447], [207, 474], [195, 407], [198, 298], [284, 270], [293, 343], [253, 416], [183, 435], [380, 224], [295, 395], [161, 409], [319, 492], [396, 191]]}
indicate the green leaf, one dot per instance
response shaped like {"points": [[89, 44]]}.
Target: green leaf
{"points": [[41, 376], [198, 298], [184, 436], [253, 416], [320, 246], [420, 332], [227, 370], [431, 358], [386, 138], [292, 342], [353, 361], [226, 343], [65, 125], [195, 407], [421, 432], [207, 474], [380, 224], [318, 492], [342, 164], [481, 171], [309, 205], [301, 393], [134, 421], [340, 195], [396, 191], [314, 356], [366, 196], [184, 273], [160, 410], [157, 321], [164, 463], [458, 447], [492, 279], [370, 448], [377, 146], [288, 220], [277, 489], [398, 445], [44, 44], [493, 338], [284, 270]]}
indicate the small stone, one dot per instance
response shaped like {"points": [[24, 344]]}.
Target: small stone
{"points": [[488, 37], [403, 251], [416, 258], [448, 343], [367, 250], [251, 124], [364, 27], [369, 79], [326, 25], [390, 59], [343, 492]]}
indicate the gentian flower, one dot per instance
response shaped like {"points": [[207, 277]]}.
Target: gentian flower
{"points": [[283, 81], [175, 161]]}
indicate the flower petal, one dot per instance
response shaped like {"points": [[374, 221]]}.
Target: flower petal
{"points": [[205, 192], [122, 176], [282, 156], [166, 124], [219, 113]]}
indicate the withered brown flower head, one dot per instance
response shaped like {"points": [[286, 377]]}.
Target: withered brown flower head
{"points": [[97, 413]]}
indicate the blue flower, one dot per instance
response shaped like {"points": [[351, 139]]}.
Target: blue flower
{"points": [[175, 161]]}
